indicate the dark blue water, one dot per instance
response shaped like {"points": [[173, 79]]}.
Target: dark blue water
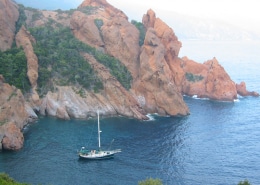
{"points": [[219, 143]]}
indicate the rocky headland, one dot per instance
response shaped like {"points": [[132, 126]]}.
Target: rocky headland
{"points": [[160, 77]]}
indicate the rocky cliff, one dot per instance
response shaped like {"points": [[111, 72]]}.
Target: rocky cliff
{"points": [[25, 40], [9, 14], [15, 113], [207, 80], [155, 84], [159, 77]]}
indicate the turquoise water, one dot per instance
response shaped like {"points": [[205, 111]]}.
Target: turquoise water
{"points": [[219, 143]]}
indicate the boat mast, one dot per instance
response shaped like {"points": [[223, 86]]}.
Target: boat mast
{"points": [[98, 132]]}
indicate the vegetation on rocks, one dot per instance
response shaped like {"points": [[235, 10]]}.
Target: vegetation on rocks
{"points": [[142, 31], [22, 18], [13, 64], [150, 181], [58, 52], [193, 78], [60, 61], [6, 180], [245, 182], [59, 57], [88, 9]]}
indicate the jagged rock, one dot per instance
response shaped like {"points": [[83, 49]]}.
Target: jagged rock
{"points": [[12, 105], [8, 16], [11, 137], [118, 97], [25, 39], [207, 80], [104, 8], [85, 29], [122, 42], [149, 19], [241, 90], [13, 108], [115, 36], [155, 84]]}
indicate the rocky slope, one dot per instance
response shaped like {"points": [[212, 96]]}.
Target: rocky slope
{"points": [[15, 113], [9, 14], [160, 77], [25, 40]]}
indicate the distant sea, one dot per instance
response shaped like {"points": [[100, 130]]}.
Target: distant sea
{"points": [[217, 144]]}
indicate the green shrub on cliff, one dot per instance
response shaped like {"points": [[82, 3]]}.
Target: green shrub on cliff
{"points": [[88, 9], [193, 78], [6, 180], [142, 31], [245, 182], [150, 181], [58, 52], [117, 69], [22, 18], [59, 60], [13, 64]]}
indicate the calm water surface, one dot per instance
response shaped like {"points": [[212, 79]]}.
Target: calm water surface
{"points": [[219, 143]]}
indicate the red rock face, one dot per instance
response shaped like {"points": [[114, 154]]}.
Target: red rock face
{"points": [[155, 84], [104, 6], [116, 36], [208, 80], [241, 90], [13, 109], [13, 138], [8, 16], [25, 40], [84, 29]]}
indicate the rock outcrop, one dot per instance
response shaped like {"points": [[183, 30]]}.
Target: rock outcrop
{"points": [[67, 103], [9, 14], [13, 108], [241, 90], [107, 29], [107, 9], [85, 29], [25, 40], [207, 80], [155, 84], [12, 137]]}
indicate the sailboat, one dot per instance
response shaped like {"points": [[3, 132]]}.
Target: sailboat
{"points": [[99, 153]]}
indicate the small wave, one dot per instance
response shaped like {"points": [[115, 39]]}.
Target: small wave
{"points": [[151, 117], [240, 97], [236, 100], [196, 97]]}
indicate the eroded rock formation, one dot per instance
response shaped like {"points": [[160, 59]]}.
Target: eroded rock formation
{"points": [[241, 90], [9, 14], [12, 137], [25, 39], [207, 80], [107, 28], [14, 114], [67, 103], [155, 85]]}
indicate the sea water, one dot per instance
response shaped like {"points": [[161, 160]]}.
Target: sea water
{"points": [[218, 143]]}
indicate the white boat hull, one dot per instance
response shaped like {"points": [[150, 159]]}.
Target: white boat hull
{"points": [[98, 154]]}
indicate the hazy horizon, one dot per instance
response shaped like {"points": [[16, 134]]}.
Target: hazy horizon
{"points": [[242, 14]]}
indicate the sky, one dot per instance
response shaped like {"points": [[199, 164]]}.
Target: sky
{"points": [[241, 13]]}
